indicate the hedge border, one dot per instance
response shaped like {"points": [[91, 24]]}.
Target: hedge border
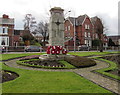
{"points": [[112, 66]]}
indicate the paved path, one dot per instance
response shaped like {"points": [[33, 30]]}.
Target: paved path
{"points": [[105, 82]]}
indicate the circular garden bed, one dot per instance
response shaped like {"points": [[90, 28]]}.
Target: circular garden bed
{"points": [[68, 62], [7, 76]]}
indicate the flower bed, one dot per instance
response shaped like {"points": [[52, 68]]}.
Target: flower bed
{"points": [[78, 61], [7, 75], [66, 63]]}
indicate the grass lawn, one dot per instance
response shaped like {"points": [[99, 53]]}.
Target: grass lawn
{"points": [[30, 81], [90, 53], [10, 56], [49, 82]]}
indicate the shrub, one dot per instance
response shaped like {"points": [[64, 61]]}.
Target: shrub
{"points": [[78, 61]]}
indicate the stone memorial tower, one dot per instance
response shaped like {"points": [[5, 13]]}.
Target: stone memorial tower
{"points": [[56, 27], [56, 33]]}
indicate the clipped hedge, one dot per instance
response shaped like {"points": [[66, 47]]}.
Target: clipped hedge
{"points": [[79, 61], [112, 66]]}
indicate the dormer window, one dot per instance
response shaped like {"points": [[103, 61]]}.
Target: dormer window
{"points": [[68, 28], [87, 26]]}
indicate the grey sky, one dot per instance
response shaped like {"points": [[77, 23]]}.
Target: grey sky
{"points": [[105, 9]]}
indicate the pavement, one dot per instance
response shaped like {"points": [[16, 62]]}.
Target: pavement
{"points": [[87, 73]]}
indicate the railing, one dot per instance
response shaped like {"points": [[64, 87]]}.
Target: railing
{"points": [[14, 49], [69, 48]]}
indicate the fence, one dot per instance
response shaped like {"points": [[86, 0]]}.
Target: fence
{"points": [[69, 48], [14, 49]]}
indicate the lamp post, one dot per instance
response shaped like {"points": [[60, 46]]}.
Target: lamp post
{"points": [[74, 34], [67, 13]]}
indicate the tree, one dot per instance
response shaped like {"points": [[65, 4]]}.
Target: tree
{"points": [[96, 42], [42, 28], [27, 39], [29, 23], [110, 42]]}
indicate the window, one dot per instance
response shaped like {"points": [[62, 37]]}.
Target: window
{"points": [[4, 41], [88, 34], [3, 30], [7, 41], [87, 26], [6, 30], [96, 35], [68, 27], [85, 41], [85, 34], [16, 32]]}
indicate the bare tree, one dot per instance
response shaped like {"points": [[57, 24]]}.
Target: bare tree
{"points": [[29, 23], [42, 28]]}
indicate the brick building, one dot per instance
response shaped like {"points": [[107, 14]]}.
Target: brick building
{"points": [[84, 28], [98, 32], [18, 35], [6, 30], [115, 39]]}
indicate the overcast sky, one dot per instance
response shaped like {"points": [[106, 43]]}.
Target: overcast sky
{"points": [[105, 9]]}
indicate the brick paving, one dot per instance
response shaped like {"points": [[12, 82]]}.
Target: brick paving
{"points": [[98, 79]]}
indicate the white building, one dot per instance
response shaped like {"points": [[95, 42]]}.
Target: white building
{"points": [[6, 30]]}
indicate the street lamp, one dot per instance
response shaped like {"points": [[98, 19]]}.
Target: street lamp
{"points": [[74, 34], [67, 13]]}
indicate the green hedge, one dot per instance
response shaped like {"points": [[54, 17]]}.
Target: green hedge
{"points": [[112, 66]]}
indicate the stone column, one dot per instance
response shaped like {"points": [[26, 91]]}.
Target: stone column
{"points": [[56, 33], [56, 27]]}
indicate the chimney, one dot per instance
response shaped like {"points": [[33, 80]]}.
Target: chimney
{"points": [[5, 16]]}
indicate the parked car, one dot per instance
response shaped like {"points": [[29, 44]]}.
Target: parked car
{"points": [[33, 49], [84, 48], [2, 49]]}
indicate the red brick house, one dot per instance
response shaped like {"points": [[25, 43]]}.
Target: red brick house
{"points": [[105, 40], [6, 30], [83, 30], [97, 27]]}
